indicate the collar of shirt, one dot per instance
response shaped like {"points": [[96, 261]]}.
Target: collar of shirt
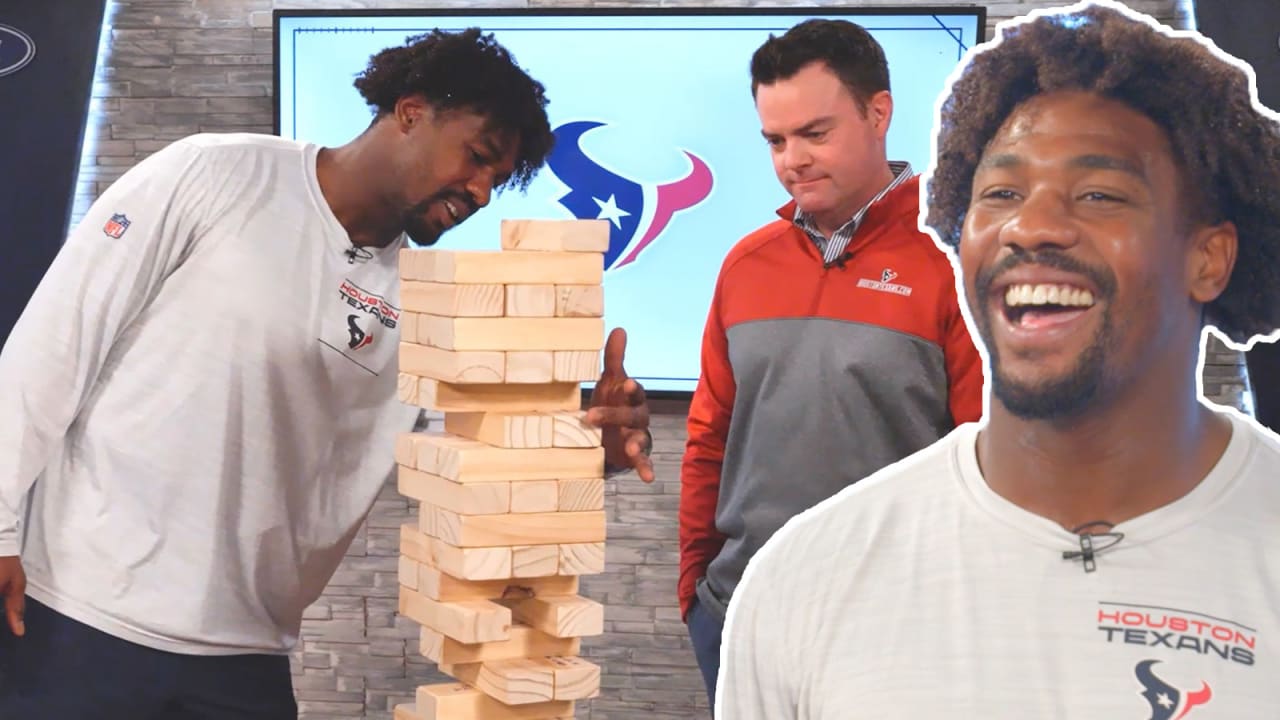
{"points": [[832, 247]]}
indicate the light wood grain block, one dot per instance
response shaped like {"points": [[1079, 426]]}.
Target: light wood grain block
{"points": [[524, 642], [408, 711], [565, 616], [452, 299], [581, 494], [477, 366], [579, 301], [464, 460], [531, 300], [571, 430], [459, 701], [529, 366], [535, 496], [414, 543], [498, 267], [504, 430], [408, 327], [590, 236], [409, 389], [575, 366], [519, 681], [581, 558], [490, 563], [439, 585], [531, 561], [575, 678], [470, 531], [434, 394], [467, 621], [407, 571], [467, 499], [508, 334]]}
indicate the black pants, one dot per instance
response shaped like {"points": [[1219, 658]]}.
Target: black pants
{"points": [[64, 670]]}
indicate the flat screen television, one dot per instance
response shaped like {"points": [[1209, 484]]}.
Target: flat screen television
{"points": [[656, 128]]}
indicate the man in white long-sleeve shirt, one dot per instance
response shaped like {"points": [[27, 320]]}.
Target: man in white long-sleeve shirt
{"points": [[198, 406], [1106, 544]]}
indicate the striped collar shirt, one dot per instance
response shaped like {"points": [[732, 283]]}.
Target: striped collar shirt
{"points": [[831, 248]]}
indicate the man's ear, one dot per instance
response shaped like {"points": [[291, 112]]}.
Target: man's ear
{"points": [[1211, 256], [411, 110], [880, 111]]}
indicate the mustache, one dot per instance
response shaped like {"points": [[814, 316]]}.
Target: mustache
{"points": [[1101, 277], [461, 200]]}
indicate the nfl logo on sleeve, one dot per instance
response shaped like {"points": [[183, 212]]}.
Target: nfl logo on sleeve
{"points": [[116, 226]]}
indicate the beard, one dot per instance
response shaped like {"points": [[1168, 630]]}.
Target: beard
{"points": [[1069, 394]]}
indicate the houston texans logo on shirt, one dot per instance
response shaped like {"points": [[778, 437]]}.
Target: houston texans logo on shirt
{"points": [[637, 213], [1168, 702]]}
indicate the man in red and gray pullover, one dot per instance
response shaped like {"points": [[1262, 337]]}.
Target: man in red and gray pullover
{"points": [[834, 345]]}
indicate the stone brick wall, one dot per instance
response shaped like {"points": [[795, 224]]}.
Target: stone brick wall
{"points": [[180, 66]]}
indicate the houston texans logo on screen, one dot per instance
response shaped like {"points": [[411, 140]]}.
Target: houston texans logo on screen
{"points": [[637, 212]]}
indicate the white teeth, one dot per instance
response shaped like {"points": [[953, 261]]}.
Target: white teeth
{"points": [[1065, 295], [453, 211]]}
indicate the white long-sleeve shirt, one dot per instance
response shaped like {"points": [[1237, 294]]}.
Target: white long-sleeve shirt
{"points": [[921, 593], [198, 405]]}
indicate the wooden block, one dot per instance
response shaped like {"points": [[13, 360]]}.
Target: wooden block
{"points": [[467, 621], [531, 300], [415, 544], [579, 301], [409, 389], [524, 642], [406, 450], [571, 430], [446, 397], [575, 366], [581, 494], [529, 366], [535, 496], [408, 711], [504, 430], [482, 366], [531, 561], [581, 558], [575, 678], [469, 531], [467, 461], [453, 300], [565, 616], [408, 327], [467, 499], [459, 701], [439, 585], [508, 334], [487, 563], [519, 681], [506, 268], [407, 572], [556, 235]]}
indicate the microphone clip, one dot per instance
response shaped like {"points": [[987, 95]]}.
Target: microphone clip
{"points": [[355, 253], [839, 261], [1088, 551]]}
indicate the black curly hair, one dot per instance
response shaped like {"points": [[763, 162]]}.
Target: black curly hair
{"points": [[1226, 148], [465, 70], [846, 48]]}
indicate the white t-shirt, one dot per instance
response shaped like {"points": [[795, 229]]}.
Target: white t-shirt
{"points": [[201, 398], [920, 593]]}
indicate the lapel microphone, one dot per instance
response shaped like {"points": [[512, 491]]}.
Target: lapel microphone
{"points": [[356, 254], [1088, 549]]}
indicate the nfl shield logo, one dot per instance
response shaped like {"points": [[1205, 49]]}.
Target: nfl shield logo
{"points": [[116, 226]]}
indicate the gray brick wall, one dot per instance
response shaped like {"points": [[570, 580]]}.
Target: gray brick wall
{"points": [[182, 66]]}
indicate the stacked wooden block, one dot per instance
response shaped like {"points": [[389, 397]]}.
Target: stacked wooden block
{"points": [[511, 492]]}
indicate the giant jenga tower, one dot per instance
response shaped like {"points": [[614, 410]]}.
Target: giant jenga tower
{"points": [[511, 493]]}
